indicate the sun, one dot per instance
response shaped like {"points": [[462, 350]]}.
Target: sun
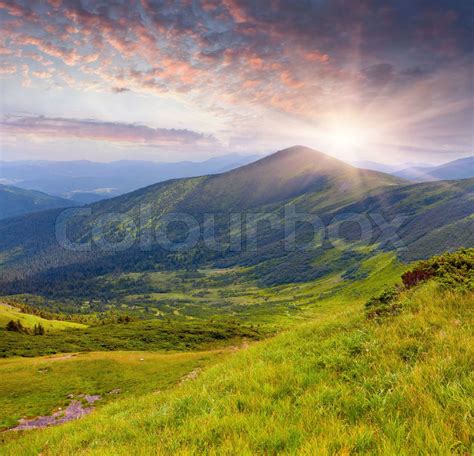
{"points": [[346, 136]]}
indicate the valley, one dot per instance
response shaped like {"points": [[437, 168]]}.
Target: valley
{"points": [[236, 228], [307, 329], [350, 377]]}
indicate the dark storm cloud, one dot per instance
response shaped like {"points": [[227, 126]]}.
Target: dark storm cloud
{"points": [[379, 74]]}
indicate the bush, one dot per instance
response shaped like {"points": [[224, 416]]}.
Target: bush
{"points": [[383, 305], [452, 270], [16, 326], [39, 330]]}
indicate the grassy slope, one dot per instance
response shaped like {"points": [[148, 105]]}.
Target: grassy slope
{"points": [[144, 335], [8, 313], [340, 384], [32, 387], [228, 311]]}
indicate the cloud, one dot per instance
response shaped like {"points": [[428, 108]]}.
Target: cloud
{"points": [[250, 62], [6, 68], [120, 89], [41, 74], [115, 132], [379, 74]]}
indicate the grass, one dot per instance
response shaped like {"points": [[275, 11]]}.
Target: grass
{"points": [[220, 294], [8, 313], [33, 387], [151, 335], [224, 310], [340, 384]]}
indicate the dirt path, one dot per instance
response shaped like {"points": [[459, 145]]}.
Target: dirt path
{"points": [[74, 410], [61, 358]]}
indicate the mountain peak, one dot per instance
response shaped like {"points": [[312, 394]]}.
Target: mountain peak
{"points": [[289, 173], [296, 160], [303, 151]]}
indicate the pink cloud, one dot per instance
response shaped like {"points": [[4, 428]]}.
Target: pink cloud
{"points": [[41, 74], [11, 8], [7, 68], [221, 56], [237, 12], [316, 56], [102, 131]]}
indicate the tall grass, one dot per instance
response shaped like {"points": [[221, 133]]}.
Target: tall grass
{"points": [[339, 385]]}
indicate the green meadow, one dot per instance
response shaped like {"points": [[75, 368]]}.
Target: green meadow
{"points": [[9, 312], [363, 366], [340, 384], [36, 386]]}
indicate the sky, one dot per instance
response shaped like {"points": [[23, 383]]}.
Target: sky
{"points": [[389, 81]]}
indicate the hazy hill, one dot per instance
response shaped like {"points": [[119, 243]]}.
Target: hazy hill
{"points": [[375, 166], [85, 181], [385, 168], [457, 169], [16, 201]]}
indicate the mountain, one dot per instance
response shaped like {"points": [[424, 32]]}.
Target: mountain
{"points": [[384, 168], [282, 176], [413, 173], [315, 180], [462, 168], [15, 201], [457, 169], [85, 182], [424, 217], [375, 166]]}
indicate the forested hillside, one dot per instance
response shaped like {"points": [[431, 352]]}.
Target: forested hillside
{"points": [[415, 220], [15, 201]]}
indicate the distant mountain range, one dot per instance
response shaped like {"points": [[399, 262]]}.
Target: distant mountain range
{"points": [[462, 168], [86, 182], [16, 201], [457, 169], [432, 217], [385, 168]]}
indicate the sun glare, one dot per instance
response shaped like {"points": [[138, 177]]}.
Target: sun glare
{"points": [[346, 139], [346, 136]]}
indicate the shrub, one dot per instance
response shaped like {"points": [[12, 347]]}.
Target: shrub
{"points": [[39, 330], [16, 326], [452, 270], [383, 305]]}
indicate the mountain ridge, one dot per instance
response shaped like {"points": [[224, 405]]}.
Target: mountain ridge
{"points": [[15, 201], [462, 168], [313, 182], [83, 180]]}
